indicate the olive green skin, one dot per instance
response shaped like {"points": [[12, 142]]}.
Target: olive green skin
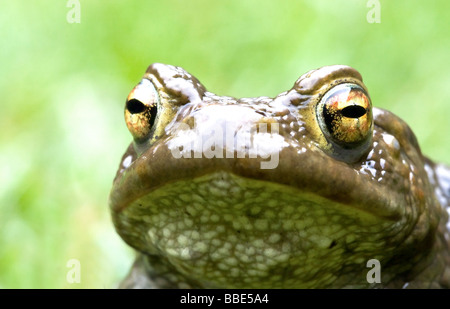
{"points": [[385, 202]]}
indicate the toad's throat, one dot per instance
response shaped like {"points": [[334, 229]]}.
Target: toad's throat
{"points": [[231, 231]]}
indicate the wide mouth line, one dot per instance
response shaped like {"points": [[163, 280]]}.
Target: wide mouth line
{"points": [[223, 177]]}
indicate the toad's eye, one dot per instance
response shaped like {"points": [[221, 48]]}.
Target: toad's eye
{"points": [[141, 109], [345, 118]]}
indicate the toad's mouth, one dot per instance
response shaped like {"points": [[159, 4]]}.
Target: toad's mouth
{"points": [[233, 231], [157, 170]]}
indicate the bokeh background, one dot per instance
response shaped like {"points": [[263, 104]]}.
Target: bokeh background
{"points": [[63, 87]]}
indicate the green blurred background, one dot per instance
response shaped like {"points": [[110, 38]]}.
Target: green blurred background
{"points": [[63, 88]]}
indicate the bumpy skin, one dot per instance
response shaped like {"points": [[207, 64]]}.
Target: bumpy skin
{"points": [[313, 221]]}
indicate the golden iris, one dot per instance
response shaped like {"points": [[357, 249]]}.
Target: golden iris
{"points": [[345, 115], [141, 109]]}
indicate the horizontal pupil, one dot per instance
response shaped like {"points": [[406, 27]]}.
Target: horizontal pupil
{"points": [[353, 111], [153, 112], [135, 106]]}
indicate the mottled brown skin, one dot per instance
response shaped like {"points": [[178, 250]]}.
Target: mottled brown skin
{"points": [[387, 179]]}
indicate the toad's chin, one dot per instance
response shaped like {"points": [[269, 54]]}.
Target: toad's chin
{"points": [[228, 231]]}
